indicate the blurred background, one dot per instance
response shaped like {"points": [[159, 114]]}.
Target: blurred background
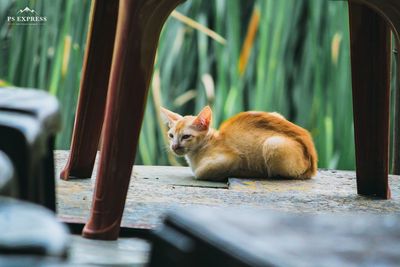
{"points": [[289, 56]]}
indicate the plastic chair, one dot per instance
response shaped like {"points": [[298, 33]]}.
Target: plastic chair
{"points": [[29, 121], [136, 26], [205, 236], [31, 235], [8, 184]]}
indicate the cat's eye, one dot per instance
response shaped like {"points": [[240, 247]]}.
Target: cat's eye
{"points": [[171, 135], [186, 136]]}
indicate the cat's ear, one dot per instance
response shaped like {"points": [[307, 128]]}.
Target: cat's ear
{"points": [[203, 120], [169, 117]]}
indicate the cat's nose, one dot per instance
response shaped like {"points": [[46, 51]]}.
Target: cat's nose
{"points": [[175, 146]]}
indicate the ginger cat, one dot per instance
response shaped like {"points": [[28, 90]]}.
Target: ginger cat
{"points": [[251, 144]]}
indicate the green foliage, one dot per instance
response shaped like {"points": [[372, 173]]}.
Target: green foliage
{"points": [[33, 56], [299, 66]]}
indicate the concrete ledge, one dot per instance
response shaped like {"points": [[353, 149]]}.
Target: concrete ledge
{"points": [[155, 189]]}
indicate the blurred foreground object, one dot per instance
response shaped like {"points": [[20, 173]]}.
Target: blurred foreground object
{"points": [[29, 121], [30, 234], [234, 237], [8, 181]]}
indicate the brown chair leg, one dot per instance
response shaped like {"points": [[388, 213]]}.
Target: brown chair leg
{"points": [[390, 10], [138, 30], [93, 92], [370, 61]]}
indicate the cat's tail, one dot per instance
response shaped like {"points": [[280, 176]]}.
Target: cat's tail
{"points": [[310, 153]]}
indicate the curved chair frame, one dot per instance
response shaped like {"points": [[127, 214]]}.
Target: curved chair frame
{"points": [[137, 25]]}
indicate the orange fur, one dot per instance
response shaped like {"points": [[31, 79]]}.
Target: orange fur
{"points": [[250, 144]]}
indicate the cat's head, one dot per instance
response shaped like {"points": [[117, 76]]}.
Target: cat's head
{"points": [[187, 133]]}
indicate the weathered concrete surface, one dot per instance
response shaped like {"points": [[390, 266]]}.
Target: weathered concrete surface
{"points": [[122, 252], [148, 199]]}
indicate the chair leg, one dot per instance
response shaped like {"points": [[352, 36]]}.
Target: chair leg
{"points": [[93, 91], [138, 30], [49, 187], [396, 119], [370, 61]]}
